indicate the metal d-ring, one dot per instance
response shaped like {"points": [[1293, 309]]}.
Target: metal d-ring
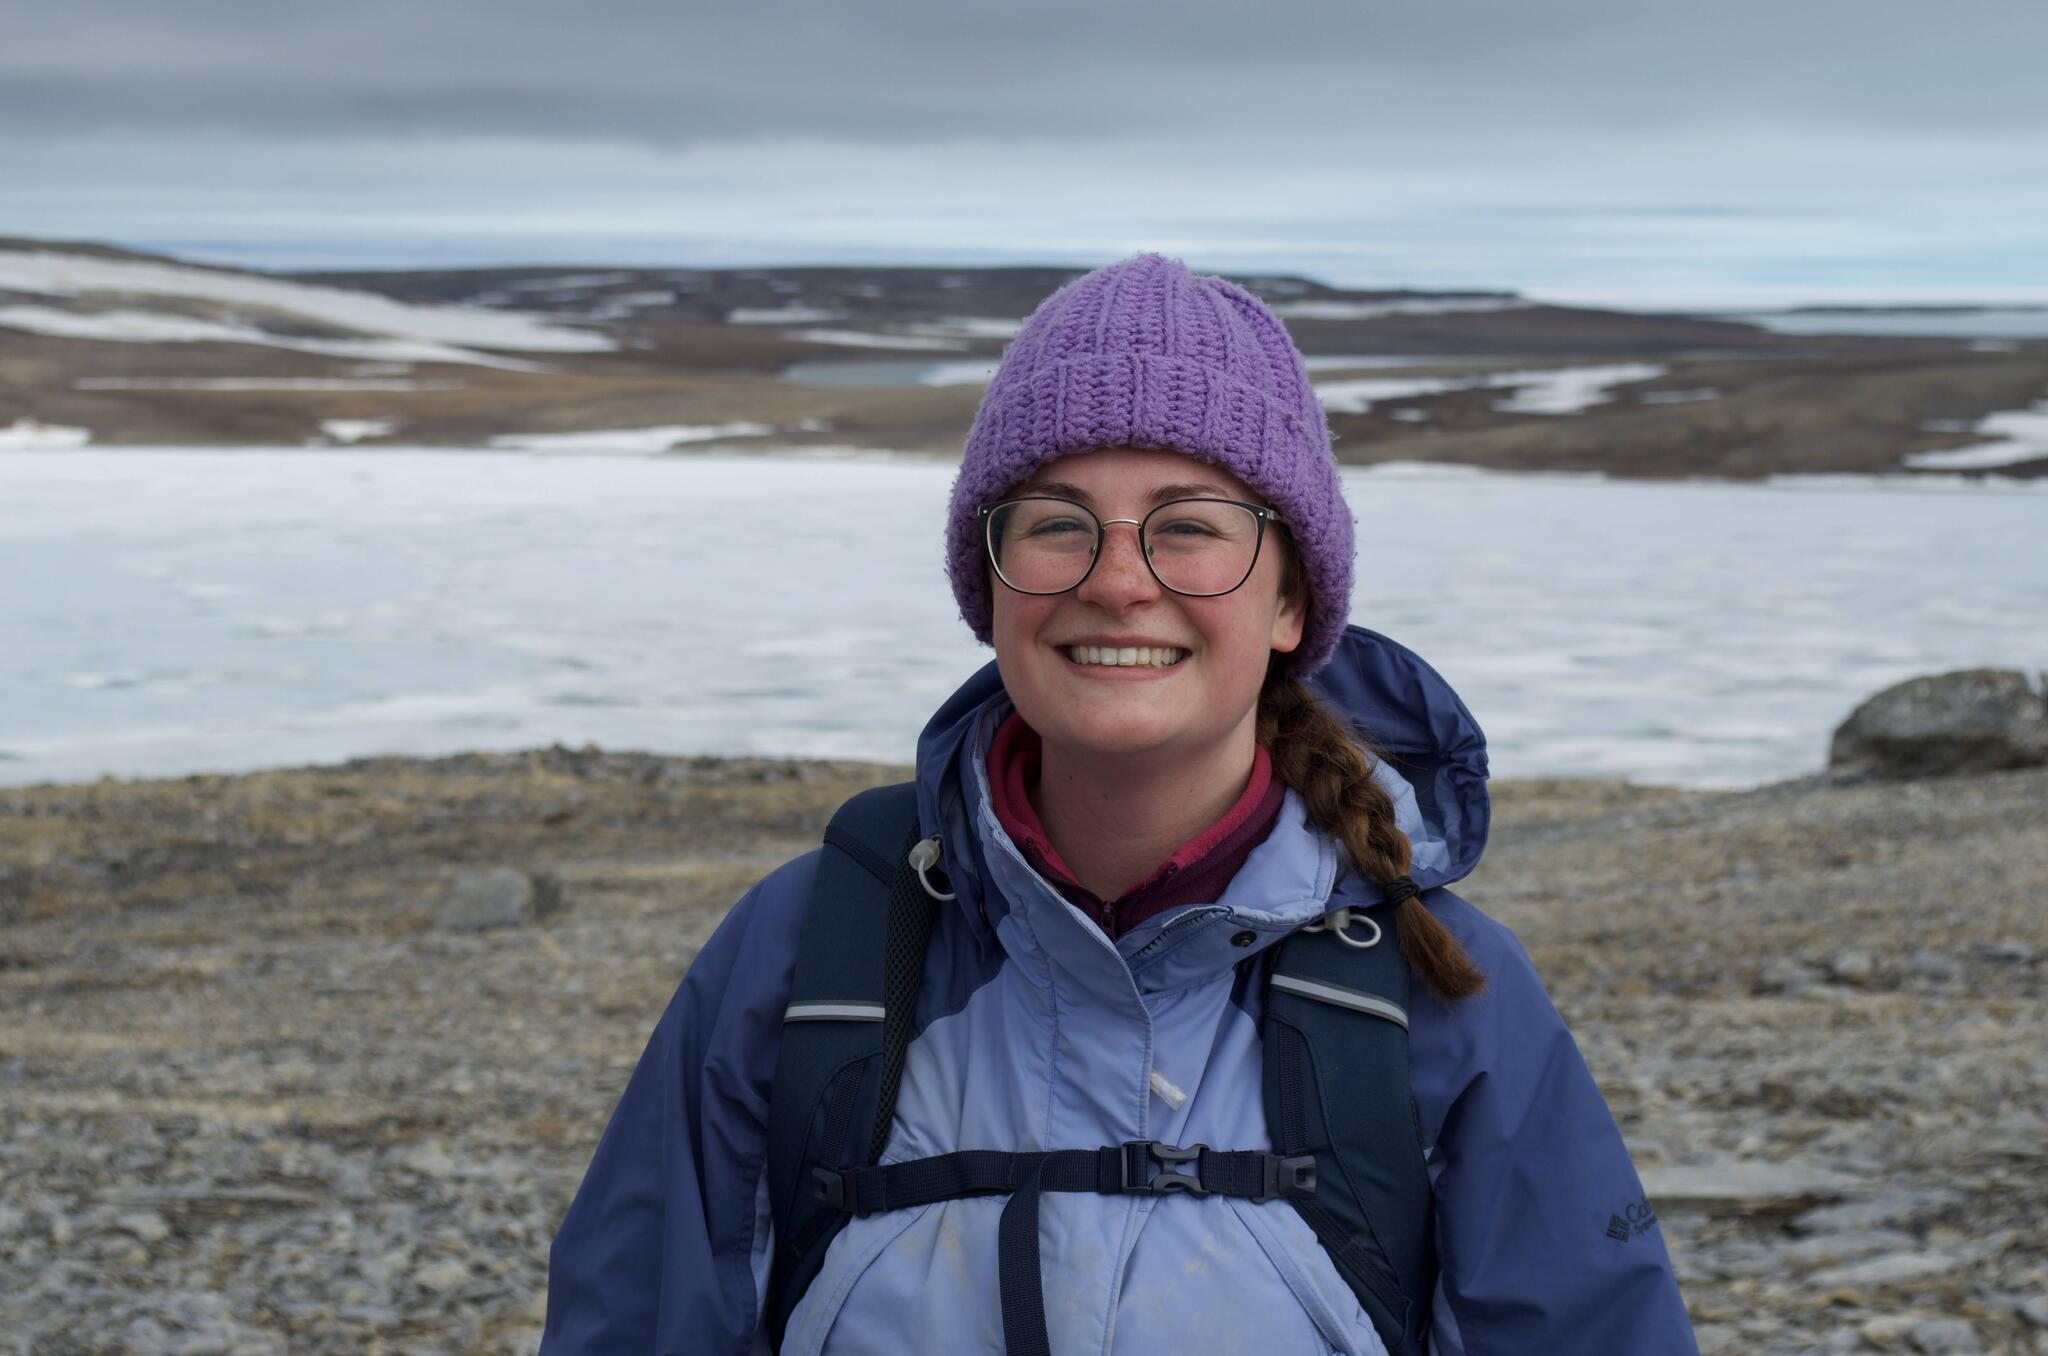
{"points": [[1337, 922]]}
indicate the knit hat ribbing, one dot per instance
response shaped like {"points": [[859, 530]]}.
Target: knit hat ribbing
{"points": [[1143, 353]]}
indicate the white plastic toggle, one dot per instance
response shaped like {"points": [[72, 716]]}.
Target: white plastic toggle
{"points": [[1168, 1093], [1338, 922], [924, 854]]}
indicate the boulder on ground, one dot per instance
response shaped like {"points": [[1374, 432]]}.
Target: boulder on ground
{"points": [[1972, 720], [497, 897], [1743, 1187]]}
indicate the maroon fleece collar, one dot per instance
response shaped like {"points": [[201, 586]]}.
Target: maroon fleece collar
{"points": [[1196, 872]]}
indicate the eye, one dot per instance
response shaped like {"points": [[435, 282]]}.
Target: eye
{"points": [[1048, 527]]}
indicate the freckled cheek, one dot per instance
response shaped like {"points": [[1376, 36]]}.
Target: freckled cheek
{"points": [[1013, 626], [1239, 648], [1018, 630]]}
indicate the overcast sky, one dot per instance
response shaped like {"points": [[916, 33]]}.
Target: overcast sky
{"points": [[1632, 151]]}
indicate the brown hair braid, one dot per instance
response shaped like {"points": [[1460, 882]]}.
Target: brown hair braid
{"points": [[1315, 751]]}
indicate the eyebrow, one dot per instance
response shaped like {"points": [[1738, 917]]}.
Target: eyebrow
{"points": [[1158, 496]]}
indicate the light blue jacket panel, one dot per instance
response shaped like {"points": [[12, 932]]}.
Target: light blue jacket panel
{"points": [[1036, 1031]]}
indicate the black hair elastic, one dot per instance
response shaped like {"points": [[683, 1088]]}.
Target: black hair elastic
{"points": [[1398, 889]]}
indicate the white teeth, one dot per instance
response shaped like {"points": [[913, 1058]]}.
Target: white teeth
{"points": [[1140, 656]]}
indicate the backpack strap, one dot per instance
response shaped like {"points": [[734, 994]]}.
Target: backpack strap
{"points": [[844, 1035], [1335, 1035], [851, 1002], [1335, 1047]]}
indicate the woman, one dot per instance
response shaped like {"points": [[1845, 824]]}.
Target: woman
{"points": [[1134, 809]]}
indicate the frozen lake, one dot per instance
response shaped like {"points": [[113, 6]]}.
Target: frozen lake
{"points": [[169, 611]]}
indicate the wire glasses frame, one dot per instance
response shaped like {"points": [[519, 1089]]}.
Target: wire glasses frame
{"points": [[1261, 516]]}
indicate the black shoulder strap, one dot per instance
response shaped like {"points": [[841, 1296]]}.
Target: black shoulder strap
{"points": [[1335, 1033], [1347, 1150], [851, 1003]]}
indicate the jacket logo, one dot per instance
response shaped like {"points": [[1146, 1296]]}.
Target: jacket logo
{"points": [[1635, 1220]]}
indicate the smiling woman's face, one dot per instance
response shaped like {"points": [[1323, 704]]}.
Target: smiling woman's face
{"points": [[1211, 694]]}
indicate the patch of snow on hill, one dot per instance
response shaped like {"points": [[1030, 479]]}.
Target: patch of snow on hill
{"points": [[862, 339], [262, 384], [2022, 436], [1324, 362], [1567, 390], [1553, 390], [352, 431], [55, 273], [31, 434], [967, 327], [780, 315], [1362, 393], [148, 327]]}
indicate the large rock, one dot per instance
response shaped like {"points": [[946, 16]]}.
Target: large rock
{"points": [[497, 897], [1972, 720], [1743, 1187]]}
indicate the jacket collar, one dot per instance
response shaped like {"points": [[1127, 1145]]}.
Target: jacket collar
{"points": [[1434, 768]]}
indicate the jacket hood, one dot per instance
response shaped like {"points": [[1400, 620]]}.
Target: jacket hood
{"points": [[1433, 759]]}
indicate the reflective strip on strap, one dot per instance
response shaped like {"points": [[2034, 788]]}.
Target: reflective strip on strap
{"points": [[1341, 997], [833, 1012]]}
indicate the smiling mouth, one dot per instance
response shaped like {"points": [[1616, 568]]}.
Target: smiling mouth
{"points": [[1139, 656]]}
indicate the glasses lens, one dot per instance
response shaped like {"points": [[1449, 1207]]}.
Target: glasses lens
{"points": [[1202, 546], [1042, 545]]}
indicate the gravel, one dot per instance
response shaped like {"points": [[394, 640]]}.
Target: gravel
{"points": [[265, 1088]]}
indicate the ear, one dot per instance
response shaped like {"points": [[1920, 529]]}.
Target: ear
{"points": [[1290, 620]]}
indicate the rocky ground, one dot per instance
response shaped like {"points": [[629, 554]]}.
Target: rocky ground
{"points": [[285, 1065]]}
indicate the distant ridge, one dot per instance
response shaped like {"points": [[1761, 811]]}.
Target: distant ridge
{"points": [[105, 345]]}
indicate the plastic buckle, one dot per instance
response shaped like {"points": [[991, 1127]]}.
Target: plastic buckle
{"points": [[830, 1188], [1294, 1177], [1141, 1155]]}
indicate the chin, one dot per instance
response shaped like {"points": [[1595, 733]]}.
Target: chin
{"points": [[1112, 734]]}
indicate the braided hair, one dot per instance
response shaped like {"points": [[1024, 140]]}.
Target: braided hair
{"points": [[1316, 752]]}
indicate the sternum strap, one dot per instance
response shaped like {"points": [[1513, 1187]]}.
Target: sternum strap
{"points": [[1139, 1167]]}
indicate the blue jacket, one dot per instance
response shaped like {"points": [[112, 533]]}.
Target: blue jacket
{"points": [[1035, 1031]]}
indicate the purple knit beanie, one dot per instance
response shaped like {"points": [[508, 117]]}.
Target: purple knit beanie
{"points": [[1143, 353]]}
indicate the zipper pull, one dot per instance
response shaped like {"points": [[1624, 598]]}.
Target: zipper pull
{"points": [[1168, 1093]]}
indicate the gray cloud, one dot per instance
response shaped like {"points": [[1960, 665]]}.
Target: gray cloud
{"points": [[1575, 146], [678, 74]]}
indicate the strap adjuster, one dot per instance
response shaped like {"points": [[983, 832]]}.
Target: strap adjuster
{"points": [[1292, 1177], [831, 1188], [1141, 1155]]}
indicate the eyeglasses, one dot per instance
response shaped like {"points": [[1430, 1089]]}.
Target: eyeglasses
{"points": [[1197, 547]]}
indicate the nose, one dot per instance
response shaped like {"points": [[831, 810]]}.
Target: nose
{"points": [[1121, 577]]}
